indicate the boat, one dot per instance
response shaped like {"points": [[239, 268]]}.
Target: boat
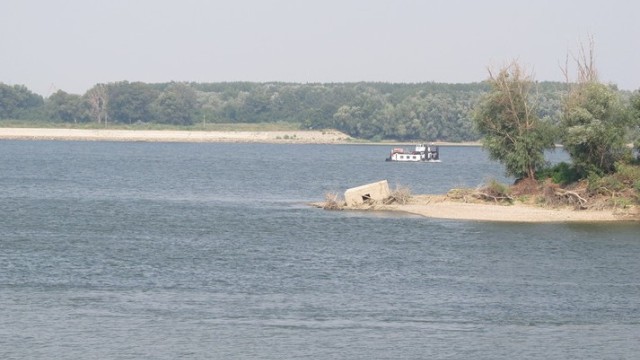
{"points": [[421, 153]]}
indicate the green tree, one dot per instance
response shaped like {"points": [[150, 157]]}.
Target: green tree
{"points": [[635, 118], [176, 105], [594, 121], [506, 117], [594, 126], [18, 102], [64, 107], [131, 102]]}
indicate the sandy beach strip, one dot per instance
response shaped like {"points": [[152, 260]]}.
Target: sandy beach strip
{"points": [[298, 136], [437, 206]]}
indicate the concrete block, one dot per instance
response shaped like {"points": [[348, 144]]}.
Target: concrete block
{"points": [[374, 192]]}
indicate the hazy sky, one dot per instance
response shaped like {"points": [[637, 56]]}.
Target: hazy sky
{"points": [[72, 45]]}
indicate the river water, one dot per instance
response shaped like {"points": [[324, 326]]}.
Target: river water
{"points": [[209, 251]]}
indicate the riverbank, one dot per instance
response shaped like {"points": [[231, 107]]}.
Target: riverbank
{"points": [[329, 136], [443, 207], [294, 136], [439, 206]]}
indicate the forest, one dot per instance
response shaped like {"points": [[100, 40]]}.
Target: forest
{"points": [[365, 110]]}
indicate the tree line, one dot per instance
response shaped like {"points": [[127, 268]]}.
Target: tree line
{"points": [[367, 110]]}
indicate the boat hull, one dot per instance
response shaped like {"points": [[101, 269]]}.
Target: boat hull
{"points": [[422, 153], [412, 160]]}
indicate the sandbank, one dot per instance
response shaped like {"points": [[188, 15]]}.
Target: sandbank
{"points": [[328, 136], [439, 207], [289, 137]]}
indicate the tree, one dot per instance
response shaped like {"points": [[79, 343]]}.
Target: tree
{"points": [[64, 107], [176, 105], [594, 121], [130, 102], [98, 99], [506, 117], [17, 101], [635, 118]]}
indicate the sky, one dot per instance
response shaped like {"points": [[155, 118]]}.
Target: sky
{"points": [[50, 45]]}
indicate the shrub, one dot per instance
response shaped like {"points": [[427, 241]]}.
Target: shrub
{"points": [[401, 195], [561, 173], [628, 174], [494, 190], [333, 201]]}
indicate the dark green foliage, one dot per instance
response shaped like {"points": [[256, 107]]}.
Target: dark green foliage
{"points": [[18, 102], [131, 102], [176, 105], [561, 173], [624, 180], [594, 125], [68, 108], [629, 174]]}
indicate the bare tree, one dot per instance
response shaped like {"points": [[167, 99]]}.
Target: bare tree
{"points": [[585, 62], [98, 98]]}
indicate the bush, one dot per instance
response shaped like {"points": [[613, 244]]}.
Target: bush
{"points": [[561, 173], [401, 195], [628, 174], [496, 188]]}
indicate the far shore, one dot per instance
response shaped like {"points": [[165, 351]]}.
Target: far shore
{"points": [[275, 137], [283, 136]]}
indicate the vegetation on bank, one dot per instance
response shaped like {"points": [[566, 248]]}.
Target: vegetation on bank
{"points": [[595, 127], [370, 111]]}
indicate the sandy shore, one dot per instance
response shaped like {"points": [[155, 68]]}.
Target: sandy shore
{"points": [[438, 206], [302, 137], [276, 137]]}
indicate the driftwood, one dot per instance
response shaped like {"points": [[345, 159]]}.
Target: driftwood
{"points": [[485, 196], [401, 195]]}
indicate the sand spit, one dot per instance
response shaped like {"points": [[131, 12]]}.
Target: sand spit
{"points": [[442, 207], [439, 206], [289, 137]]}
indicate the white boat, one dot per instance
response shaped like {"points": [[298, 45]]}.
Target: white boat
{"points": [[421, 153]]}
